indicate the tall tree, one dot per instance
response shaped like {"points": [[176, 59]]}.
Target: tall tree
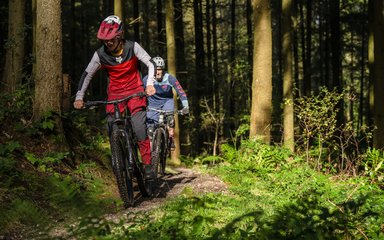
{"points": [[336, 55], [181, 65], [146, 14], [118, 9], [48, 80], [179, 36], [307, 61], [378, 81], [230, 101], [287, 75], [13, 69], [171, 66], [160, 30], [215, 58], [199, 84], [371, 59], [136, 28], [249, 42], [261, 109]]}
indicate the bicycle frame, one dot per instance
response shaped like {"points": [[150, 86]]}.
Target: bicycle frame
{"points": [[126, 154], [159, 144]]}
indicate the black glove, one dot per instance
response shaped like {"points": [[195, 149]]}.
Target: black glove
{"points": [[185, 111]]}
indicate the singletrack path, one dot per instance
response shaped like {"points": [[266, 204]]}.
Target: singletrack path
{"points": [[168, 187]]}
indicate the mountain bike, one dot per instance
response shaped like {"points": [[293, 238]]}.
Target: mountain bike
{"points": [[160, 139], [125, 161]]}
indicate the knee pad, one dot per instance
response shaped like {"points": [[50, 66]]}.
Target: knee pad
{"points": [[139, 126]]}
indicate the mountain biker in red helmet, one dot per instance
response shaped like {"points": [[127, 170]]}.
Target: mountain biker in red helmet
{"points": [[120, 58]]}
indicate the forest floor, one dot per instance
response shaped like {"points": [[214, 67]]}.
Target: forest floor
{"points": [[169, 186]]}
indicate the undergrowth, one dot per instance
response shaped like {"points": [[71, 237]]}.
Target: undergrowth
{"points": [[288, 201], [39, 186], [272, 193]]}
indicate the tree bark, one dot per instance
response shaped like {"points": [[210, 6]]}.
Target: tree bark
{"points": [[262, 71], [146, 36], [199, 79], [118, 9], [378, 137], [289, 141], [160, 30], [136, 28], [336, 56], [13, 69], [171, 63], [48, 81]]}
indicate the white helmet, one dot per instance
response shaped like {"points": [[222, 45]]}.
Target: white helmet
{"points": [[159, 62]]}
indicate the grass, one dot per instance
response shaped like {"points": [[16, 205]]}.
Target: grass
{"points": [[292, 203]]}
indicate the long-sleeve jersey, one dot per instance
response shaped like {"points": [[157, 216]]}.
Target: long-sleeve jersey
{"points": [[164, 91], [122, 70]]}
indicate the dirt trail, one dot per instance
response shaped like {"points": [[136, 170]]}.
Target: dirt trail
{"points": [[172, 184], [169, 186]]}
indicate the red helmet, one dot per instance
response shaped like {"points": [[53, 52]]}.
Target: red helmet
{"points": [[110, 28]]}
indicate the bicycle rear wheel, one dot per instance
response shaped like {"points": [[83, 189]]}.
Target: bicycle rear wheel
{"points": [[122, 174]]}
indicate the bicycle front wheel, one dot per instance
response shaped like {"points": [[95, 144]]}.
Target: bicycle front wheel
{"points": [[145, 189], [122, 173], [158, 149]]}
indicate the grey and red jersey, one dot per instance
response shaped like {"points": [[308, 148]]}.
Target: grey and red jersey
{"points": [[122, 70]]}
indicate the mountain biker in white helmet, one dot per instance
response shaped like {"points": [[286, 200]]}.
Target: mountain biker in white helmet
{"points": [[163, 99]]}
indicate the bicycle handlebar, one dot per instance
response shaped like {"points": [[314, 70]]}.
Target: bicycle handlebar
{"points": [[166, 112], [89, 104]]}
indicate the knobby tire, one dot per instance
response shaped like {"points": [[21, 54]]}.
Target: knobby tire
{"points": [[145, 190], [122, 174], [158, 152]]}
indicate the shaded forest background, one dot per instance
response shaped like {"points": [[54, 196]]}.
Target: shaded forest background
{"points": [[286, 103], [318, 49]]}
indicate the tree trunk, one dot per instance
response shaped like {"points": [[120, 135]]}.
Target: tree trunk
{"points": [[48, 82], [160, 30], [136, 26], [146, 36], [308, 50], [34, 16], [171, 63], [249, 45], [378, 137], [371, 60], [363, 109], [118, 9], [181, 67], [13, 69], [289, 141], [262, 71], [232, 59], [199, 79], [336, 55]]}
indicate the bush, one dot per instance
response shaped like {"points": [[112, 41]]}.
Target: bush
{"points": [[254, 155]]}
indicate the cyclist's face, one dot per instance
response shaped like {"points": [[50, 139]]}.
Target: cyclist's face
{"points": [[112, 44], [159, 74]]}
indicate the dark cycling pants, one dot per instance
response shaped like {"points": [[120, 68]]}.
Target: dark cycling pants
{"points": [[138, 119]]}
